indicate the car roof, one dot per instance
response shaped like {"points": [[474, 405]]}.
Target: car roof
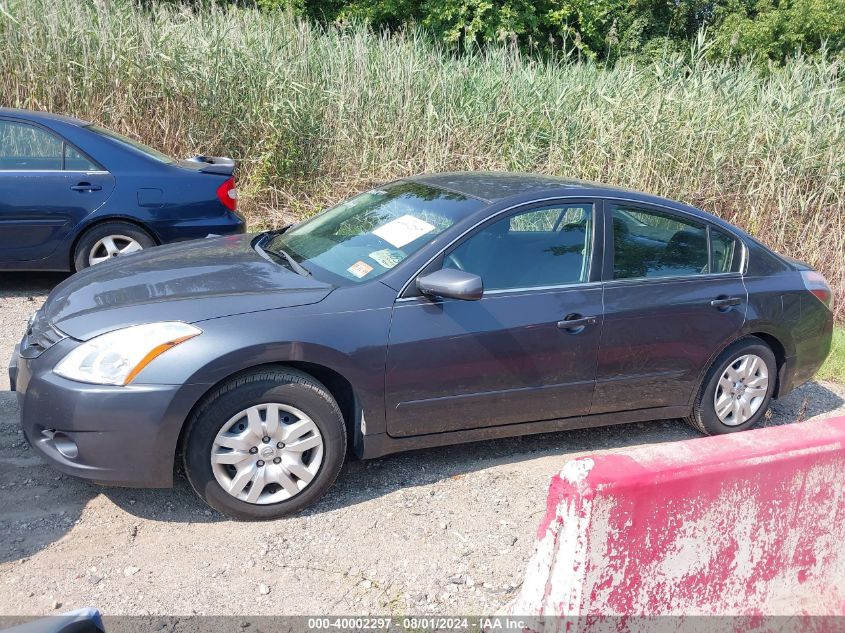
{"points": [[494, 186], [38, 116]]}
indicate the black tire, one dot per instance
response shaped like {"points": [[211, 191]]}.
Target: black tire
{"points": [[272, 385], [704, 418], [96, 233]]}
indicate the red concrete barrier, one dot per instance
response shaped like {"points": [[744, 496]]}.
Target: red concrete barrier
{"points": [[747, 524]]}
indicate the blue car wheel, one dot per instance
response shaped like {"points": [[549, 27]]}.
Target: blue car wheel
{"points": [[109, 240]]}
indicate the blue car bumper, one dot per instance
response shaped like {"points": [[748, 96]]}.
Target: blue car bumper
{"points": [[169, 231]]}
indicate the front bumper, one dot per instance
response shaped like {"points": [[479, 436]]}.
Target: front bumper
{"points": [[123, 436], [13, 368]]}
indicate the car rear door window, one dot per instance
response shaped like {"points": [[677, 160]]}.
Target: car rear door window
{"points": [[649, 243], [27, 147], [544, 247], [724, 251], [132, 144]]}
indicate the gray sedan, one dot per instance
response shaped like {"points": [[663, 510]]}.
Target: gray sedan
{"points": [[434, 310]]}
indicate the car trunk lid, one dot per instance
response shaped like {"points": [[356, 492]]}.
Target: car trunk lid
{"points": [[220, 165]]}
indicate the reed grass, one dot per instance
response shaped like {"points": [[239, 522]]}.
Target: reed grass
{"points": [[316, 114]]}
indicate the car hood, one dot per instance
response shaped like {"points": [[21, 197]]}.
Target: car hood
{"points": [[190, 282]]}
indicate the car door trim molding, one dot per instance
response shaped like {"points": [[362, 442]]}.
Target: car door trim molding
{"points": [[611, 283], [597, 211], [487, 394], [503, 291], [98, 172]]}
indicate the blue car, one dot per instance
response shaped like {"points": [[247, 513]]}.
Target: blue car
{"points": [[73, 194]]}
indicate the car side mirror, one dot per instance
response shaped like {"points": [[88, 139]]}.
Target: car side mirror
{"points": [[451, 283]]}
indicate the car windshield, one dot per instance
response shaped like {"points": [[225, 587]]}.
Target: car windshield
{"points": [[368, 235], [132, 144]]}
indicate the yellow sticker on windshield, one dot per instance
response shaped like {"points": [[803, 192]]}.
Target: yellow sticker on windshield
{"points": [[360, 269]]}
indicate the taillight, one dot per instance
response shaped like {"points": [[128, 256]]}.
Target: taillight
{"points": [[228, 194], [817, 284]]}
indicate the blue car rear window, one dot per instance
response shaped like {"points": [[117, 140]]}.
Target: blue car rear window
{"points": [[132, 144]]}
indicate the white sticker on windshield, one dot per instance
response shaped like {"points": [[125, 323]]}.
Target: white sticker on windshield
{"points": [[403, 230], [387, 258]]}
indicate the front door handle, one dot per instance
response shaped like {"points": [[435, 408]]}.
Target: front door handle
{"points": [[574, 323], [86, 186], [725, 302]]}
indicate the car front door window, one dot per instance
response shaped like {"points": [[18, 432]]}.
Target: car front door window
{"points": [[545, 247]]}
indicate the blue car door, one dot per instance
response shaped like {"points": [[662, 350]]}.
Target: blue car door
{"points": [[46, 188]]}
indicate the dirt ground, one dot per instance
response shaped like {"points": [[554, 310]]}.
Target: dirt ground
{"points": [[440, 531]]}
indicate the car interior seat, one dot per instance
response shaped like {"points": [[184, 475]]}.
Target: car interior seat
{"points": [[686, 253]]}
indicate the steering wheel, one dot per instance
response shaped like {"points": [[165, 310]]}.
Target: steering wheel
{"points": [[453, 262]]}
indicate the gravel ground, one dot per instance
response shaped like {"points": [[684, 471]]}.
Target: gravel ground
{"points": [[21, 294], [440, 531]]}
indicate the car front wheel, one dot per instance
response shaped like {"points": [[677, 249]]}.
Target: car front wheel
{"points": [[737, 389], [265, 445]]}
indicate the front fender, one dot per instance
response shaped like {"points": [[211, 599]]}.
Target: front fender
{"points": [[353, 344]]}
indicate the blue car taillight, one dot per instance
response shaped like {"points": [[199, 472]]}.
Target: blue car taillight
{"points": [[227, 193]]}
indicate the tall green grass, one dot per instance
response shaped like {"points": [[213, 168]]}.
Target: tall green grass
{"points": [[314, 115], [834, 367]]}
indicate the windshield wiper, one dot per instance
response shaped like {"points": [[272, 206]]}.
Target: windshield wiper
{"points": [[295, 265], [299, 268], [274, 232]]}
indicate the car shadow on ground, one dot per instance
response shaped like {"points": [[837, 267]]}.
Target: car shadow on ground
{"points": [[40, 505], [30, 282]]}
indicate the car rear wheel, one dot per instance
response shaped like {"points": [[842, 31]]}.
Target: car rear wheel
{"points": [[109, 240], [265, 444], [737, 389]]}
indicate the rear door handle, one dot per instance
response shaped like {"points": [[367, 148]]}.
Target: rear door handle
{"points": [[576, 322], [725, 302], [86, 186]]}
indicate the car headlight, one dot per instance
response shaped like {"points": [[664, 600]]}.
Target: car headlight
{"points": [[117, 357]]}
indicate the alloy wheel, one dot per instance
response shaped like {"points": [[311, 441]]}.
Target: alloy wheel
{"points": [[267, 453], [741, 390], [112, 246]]}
